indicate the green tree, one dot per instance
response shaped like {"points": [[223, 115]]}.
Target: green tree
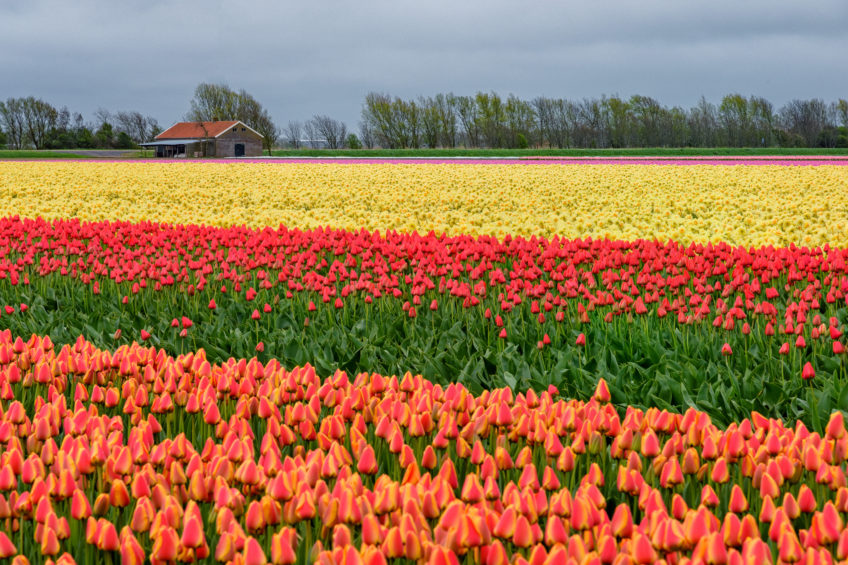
{"points": [[621, 122], [841, 110], [12, 120], [352, 142], [104, 136], [124, 141], [735, 119], [39, 117]]}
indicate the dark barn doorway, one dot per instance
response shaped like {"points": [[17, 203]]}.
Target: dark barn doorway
{"points": [[239, 149]]}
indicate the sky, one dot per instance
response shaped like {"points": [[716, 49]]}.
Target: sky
{"points": [[322, 57]]}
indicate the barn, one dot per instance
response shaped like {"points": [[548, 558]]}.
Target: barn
{"points": [[207, 139]]}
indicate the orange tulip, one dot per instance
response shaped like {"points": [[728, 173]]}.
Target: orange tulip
{"points": [[107, 539], [80, 508], [192, 533], [226, 548], [282, 552], [367, 463], [622, 521], [496, 554], [393, 544], [255, 519], [523, 534], [166, 545], [642, 552], [50, 543], [788, 547], [131, 551], [472, 491]]}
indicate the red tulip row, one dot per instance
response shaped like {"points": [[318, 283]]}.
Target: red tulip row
{"points": [[718, 283], [137, 455]]}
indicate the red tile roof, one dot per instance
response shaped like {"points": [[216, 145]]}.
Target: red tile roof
{"points": [[190, 130]]}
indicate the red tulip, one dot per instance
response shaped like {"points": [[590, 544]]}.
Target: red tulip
{"points": [[808, 372], [7, 548]]}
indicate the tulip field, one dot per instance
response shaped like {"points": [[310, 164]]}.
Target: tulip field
{"points": [[436, 363]]}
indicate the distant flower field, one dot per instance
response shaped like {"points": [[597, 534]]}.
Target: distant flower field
{"points": [[739, 205]]}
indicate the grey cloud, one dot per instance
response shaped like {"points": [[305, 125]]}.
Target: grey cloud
{"points": [[300, 58]]}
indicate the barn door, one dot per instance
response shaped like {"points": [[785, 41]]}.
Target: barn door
{"points": [[239, 149]]}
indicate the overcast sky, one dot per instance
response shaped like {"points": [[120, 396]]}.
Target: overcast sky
{"points": [[324, 56]]}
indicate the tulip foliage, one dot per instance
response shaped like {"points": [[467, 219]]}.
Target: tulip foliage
{"points": [[138, 456], [728, 330]]}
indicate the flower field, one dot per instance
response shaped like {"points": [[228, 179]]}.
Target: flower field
{"points": [[428, 363], [739, 205]]}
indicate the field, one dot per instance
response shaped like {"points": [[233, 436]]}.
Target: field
{"points": [[741, 205], [438, 363], [648, 152], [460, 152]]}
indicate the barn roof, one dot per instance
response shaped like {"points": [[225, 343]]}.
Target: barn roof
{"points": [[197, 130]]}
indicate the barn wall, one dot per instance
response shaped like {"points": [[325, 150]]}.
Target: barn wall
{"points": [[226, 143]]}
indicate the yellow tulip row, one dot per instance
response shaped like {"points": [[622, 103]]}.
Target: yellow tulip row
{"points": [[742, 205]]}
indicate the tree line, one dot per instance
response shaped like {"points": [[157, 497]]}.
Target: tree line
{"points": [[489, 121], [30, 122], [484, 120]]}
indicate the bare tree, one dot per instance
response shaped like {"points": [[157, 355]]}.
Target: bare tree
{"points": [[266, 128], [805, 118], [102, 116], [466, 109], [703, 124], [311, 134], [140, 128], [446, 110], [591, 128], [543, 108], [762, 120], [218, 102], [332, 131], [293, 133], [366, 135], [63, 119], [429, 121]]}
